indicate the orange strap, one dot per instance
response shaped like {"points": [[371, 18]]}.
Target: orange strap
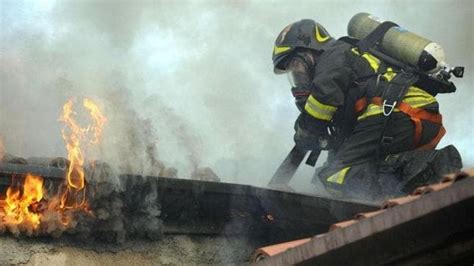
{"points": [[432, 144], [413, 112], [418, 129], [360, 104], [416, 115]]}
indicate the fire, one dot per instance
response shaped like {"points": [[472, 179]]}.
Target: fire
{"points": [[26, 206], [17, 208], [75, 137], [75, 174]]}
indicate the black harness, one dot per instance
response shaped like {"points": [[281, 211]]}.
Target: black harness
{"points": [[392, 92]]}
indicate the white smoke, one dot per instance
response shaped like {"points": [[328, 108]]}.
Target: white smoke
{"points": [[193, 77]]}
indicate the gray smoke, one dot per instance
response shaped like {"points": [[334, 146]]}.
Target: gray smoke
{"points": [[131, 210], [189, 83], [120, 206]]}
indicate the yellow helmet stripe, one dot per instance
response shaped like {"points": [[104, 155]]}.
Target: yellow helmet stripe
{"points": [[281, 49], [320, 38]]}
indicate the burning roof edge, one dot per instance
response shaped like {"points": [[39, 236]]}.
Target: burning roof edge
{"points": [[393, 215]]}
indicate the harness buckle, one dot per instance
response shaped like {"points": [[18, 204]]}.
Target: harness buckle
{"points": [[388, 108], [386, 141]]}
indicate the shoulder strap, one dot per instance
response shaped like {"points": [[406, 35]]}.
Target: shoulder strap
{"points": [[396, 90], [376, 35], [349, 40]]}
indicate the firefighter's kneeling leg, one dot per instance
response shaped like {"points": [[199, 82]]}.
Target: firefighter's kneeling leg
{"points": [[422, 167], [396, 175], [358, 181]]}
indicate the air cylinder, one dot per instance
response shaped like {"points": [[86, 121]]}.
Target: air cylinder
{"points": [[400, 44]]}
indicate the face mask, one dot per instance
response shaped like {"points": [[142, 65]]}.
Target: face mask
{"points": [[301, 70], [300, 75]]}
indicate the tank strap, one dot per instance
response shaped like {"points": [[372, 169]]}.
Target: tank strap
{"points": [[434, 142], [416, 116], [375, 36], [396, 89]]}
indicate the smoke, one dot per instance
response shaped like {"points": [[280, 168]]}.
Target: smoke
{"points": [[114, 213], [189, 83], [2, 149]]}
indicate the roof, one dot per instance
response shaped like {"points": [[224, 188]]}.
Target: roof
{"points": [[193, 207], [431, 219]]}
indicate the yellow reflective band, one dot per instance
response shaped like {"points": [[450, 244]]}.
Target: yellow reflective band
{"points": [[320, 38], [279, 50], [319, 110], [339, 176], [417, 97], [373, 109], [354, 50], [418, 102], [389, 74], [374, 62], [415, 91]]}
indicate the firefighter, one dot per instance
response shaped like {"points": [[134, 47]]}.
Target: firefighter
{"points": [[339, 92]]}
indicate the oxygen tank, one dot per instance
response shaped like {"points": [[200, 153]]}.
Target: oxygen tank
{"points": [[400, 44]]}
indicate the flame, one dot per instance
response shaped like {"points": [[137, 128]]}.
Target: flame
{"points": [[26, 206], [72, 137], [18, 206], [75, 137]]}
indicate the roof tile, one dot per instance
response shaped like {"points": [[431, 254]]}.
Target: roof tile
{"points": [[447, 181], [272, 250], [431, 188], [363, 215], [399, 201], [342, 224], [458, 176]]}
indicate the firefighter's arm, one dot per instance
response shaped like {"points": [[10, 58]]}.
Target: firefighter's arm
{"points": [[333, 74]]}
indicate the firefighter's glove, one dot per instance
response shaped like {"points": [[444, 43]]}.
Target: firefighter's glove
{"points": [[311, 137], [304, 140]]}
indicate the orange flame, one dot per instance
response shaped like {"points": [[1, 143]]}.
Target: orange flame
{"points": [[75, 137], [17, 206], [75, 173], [25, 206]]}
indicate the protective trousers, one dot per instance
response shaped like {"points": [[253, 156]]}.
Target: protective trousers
{"points": [[355, 171]]}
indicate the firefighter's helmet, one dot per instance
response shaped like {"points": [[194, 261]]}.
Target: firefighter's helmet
{"points": [[305, 33]]}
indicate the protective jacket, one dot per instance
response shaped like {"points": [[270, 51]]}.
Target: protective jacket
{"points": [[347, 90], [346, 82]]}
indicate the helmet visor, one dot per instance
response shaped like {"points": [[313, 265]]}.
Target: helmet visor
{"points": [[291, 78]]}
